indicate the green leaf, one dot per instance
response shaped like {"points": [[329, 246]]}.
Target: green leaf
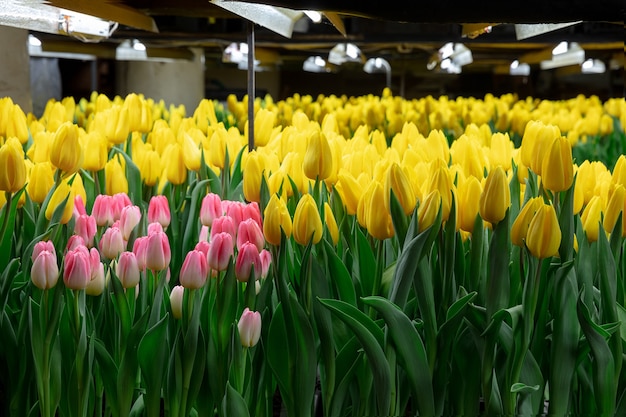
{"points": [[411, 352], [497, 296], [366, 263], [278, 355], [340, 276], [109, 377], [566, 223], [371, 340], [399, 220], [233, 404], [8, 222], [152, 355], [190, 235], [133, 175], [523, 388]]}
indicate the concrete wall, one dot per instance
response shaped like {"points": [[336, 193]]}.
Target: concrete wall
{"points": [[14, 66]]}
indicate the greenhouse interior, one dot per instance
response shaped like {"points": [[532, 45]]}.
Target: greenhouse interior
{"points": [[306, 208]]}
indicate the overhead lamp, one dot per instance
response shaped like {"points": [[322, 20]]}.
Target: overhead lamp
{"points": [[593, 66], [345, 52], [377, 66], [85, 27], [519, 68], [563, 55], [135, 50], [276, 19], [450, 58], [315, 64], [315, 16], [35, 49], [235, 53]]}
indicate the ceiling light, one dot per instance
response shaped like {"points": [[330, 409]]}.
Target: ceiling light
{"points": [[563, 55], [315, 16], [315, 64], [517, 68], [561, 48], [593, 66], [138, 46], [235, 53], [33, 41], [379, 65], [344, 52]]}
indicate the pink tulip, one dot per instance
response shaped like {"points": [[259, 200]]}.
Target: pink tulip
{"points": [[203, 246], [266, 261], [79, 206], [127, 270], [193, 273], [158, 253], [77, 268], [94, 260], [249, 326], [247, 258], [249, 231], [154, 228], [85, 227], [252, 211], [235, 211], [211, 209], [112, 243], [74, 241], [43, 245], [159, 211], [129, 219], [224, 224], [96, 285], [120, 200], [220, 252], [139, 249], [176, 301], [45, 273], [103, 210], [204, 234]]}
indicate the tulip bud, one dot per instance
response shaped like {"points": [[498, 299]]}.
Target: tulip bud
{"points": [[117, 124], [252, 176], [66, 153], [249, 326], [224, 224], [159, 211], [263, 125], [614, 208], [139, 249], [428, 210], [85, 227], [129, 219], [193, 273], [192, 157], [591, 218], [399, 183], [158, 253], [619, 171], [40, 181], [102, 210], [13, 172], [220, 251], [557, 168], [112, 243], [276, 220], [377, 221], [318, 159], [350, 191], [62, 193], [467, 202], [234, 210], [252, 211], [248, 258], [43, 245], [150, 167], [203, 246], [77, 268], [95, 287], [204, 234], [249, 231], [96, 152], [44, 273], [439, 179], [266, 261], [115, 175], [307, 223], [495, 199], [176, 301], [211, 209], [519, 230], [127, 270], [544, 234], [175, 169], [331, 224]]}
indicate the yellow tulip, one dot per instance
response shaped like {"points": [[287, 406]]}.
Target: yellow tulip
{"points": [[139, 114], [40, 149], [495, 199], [619, 171], [115, 176], [13, 171], [557, 166], [117, 124], [544, 234], [468, 192], [150, 167], [17, 126], [263, 125], [307, 223], [591, 218], [217, 147], [519, 229], [439, 179], [96, 153], [501, 150], [63, 191], [192, 157], [66, 153], [378, 222], [398, 181], [318, 159], [350, 191], [252, 177], [40, 181], [276, 220], [175, 170], [428, 210], [614, 208], [331, 224]]}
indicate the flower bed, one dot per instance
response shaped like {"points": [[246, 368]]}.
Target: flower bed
{"points": [[371, 256]]}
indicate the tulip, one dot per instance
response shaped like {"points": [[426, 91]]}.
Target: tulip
{"points": [[203, 246], [467, 201], [155, 228], [544, 234], [519, 229], [115, 176], [619, 171], [249, 326], [591, 218], [224, 224], [266, 261], [66, 153], [176, 301], [61, 195], [307, 223], [264, 121], [252, 176], [210, 209], [495, 198], [77, 268], [614, 208], [248, 257], [276, 220], [193, 273], [44, 273], [252, 211], [85, 227], [95, 287], [428, 210], [139, 249], [318, 159], [158, 252], [102, 210], [96, 152], [159, 211], [439, 179], [220, 251], [350, 191], [129, 219], [192, 157], [43, 245], [557, 168], [13, 172], [175, 169], [150, 167], [204, 234], [40, 181], [398, 182], [249, 231], [234, 210], [377, 221], [73, 242], [112, 243], [117, 124], [331, 224], [17, 125]]}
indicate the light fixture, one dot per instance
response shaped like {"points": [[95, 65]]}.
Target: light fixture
{"points": [[35, 49], [235, 53], [84, 27], [276, 19], [315, 16], [315, 64], [593, 66], [450, 58], [563, 55], [345, 52], [517, 68], [379, 65]]}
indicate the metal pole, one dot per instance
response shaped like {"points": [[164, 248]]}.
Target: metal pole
{"points": [[251, 86]]}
